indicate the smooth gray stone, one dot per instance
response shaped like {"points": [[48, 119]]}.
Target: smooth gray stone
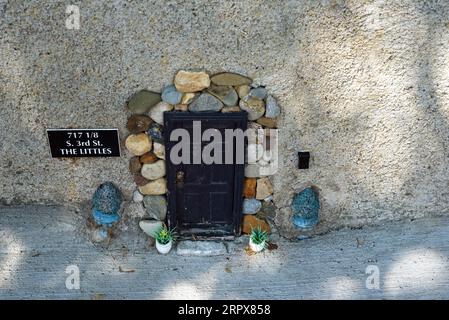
{"points": [[259, 93], [206, 103], [156, 206]]}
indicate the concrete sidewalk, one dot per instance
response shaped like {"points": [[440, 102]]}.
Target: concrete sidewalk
{"points": [[37, 244]]}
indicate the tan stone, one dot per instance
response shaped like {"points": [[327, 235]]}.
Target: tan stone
{"points": [[148, 157], [267, 122], [249, 187], [156, 187], [231, 109], [254, 152], [181, 107], [264, 188], [153, 171], [230, 79], [250, 222], [159, 150], [189, 81], [243, 90], [138, 144], [188, 97], [254, 107]]}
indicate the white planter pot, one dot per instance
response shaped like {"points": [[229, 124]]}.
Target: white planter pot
{"points": [[164, 248], [256, 247]]}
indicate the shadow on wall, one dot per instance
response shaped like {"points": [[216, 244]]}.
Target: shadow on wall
{"points": [[431, 92], [372, 80]]}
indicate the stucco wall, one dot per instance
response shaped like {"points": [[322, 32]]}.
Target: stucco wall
{"points": [[363, 86]]}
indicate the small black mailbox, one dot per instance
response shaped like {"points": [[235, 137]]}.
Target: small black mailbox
{"points": [[303, 160]]}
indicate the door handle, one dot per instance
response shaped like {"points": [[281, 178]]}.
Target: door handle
{"points": [[180, 176]]}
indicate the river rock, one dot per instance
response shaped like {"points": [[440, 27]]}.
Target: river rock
{"points": [[156, 206], [153, 171], [148, 157], [138, 144], [225, 94], [155, 132], [159, 150], [267, 122], [134, 210], [156, 187], [134, 165], [252, 135], [251, 206], [142, 101], [150, 227], [254, 107], [182, 107], [139, 180], [258, 93], [254, 125], [243, 90], [254, 152], [107, 198], [305, 208], [264, 188], [251, 222], [138, 123], [230, 79], [249, 188], [191, 81], [137, 196], [254, 170], [268, 210], [231, 109], [205, 103], [170, 95], [272, 107], [188, 97], [157, 112]]}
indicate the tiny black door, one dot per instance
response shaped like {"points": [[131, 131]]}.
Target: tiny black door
{"points": [[204, 199]]}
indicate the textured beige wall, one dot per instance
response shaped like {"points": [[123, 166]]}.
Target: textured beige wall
{"points": [[363, 86]]}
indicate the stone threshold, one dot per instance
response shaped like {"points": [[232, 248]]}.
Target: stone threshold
{"points": [[205, 248]]}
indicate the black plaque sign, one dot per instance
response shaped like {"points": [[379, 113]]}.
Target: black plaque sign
{"points": [[76, 143]]}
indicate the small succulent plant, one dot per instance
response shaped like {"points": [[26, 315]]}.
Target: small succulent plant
{"points": [[259, 236], [164, 235]]}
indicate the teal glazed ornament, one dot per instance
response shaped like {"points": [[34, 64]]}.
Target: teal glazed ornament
{"points": [[106, 203], [305, 207]]}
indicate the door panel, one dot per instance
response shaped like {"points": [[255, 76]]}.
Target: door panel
{"points": [[208, 197]]}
